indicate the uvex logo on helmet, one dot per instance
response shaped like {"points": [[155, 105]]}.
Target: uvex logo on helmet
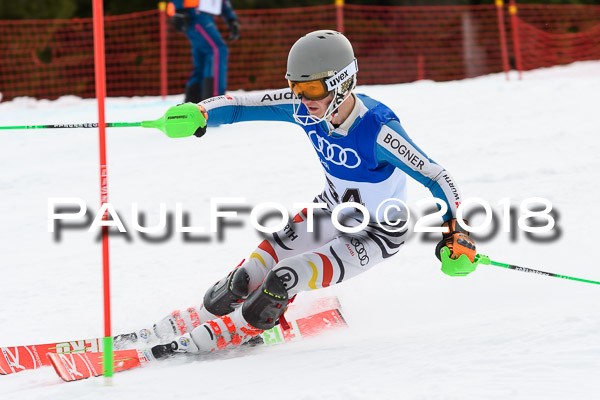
{"points": [[336, 80], [341, 76]]}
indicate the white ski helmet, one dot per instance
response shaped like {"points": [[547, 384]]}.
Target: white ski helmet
{"points": [[320, 63]]}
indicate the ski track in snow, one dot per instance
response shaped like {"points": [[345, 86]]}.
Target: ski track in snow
{"points": [[414, 332]]}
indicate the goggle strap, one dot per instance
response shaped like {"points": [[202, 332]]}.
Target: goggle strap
{"points": [[342, 76]]}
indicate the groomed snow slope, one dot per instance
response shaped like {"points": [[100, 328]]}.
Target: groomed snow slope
{"points": [[414, 333]]}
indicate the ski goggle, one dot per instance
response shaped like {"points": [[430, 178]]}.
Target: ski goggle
{"points": [[312, 90], [318, 89]]}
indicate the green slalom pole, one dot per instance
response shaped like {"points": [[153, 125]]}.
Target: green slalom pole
{"points": [[179, 121], [485, 260], [462, 266]]}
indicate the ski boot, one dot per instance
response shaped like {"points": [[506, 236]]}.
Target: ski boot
{"points": [[260, 311]]}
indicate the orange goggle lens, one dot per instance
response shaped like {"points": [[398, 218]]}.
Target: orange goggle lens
{"points": [[312, 90]]}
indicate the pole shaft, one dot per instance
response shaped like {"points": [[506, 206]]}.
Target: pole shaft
{"points": [[535, 271], [100, 69], [339, 15], [162, 23], [502, 33], [78, 125], [512, 9]]}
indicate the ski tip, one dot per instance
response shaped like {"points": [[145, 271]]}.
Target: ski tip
{"points": [[59, 367], [342, 319]]}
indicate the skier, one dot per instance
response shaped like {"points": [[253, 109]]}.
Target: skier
{"points": [[366, 156]]}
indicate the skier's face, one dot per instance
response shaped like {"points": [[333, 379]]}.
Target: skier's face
{"points": [[317, 108]]}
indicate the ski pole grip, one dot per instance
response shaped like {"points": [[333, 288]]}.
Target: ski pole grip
{"points": [[460, 266]]}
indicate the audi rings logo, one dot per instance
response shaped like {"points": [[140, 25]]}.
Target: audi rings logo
{"points": [[337, 154], [361, 252]]}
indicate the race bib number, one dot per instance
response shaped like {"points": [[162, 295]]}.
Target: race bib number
{"points": [[211, 6]]}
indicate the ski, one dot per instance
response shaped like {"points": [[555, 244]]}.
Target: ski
{"points": [[76, 366], [21, 358]]}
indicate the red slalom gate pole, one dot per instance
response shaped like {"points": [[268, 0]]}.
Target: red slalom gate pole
{"points": [[339, 15], [512, 9], [162, 17], [100, 75], [502, 32]]}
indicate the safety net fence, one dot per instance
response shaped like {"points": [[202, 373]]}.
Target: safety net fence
{"points": [[52, 58]]}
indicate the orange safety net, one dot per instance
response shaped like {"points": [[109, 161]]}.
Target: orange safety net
{"points": [[52, 58], [403, 44], [558, 34]]}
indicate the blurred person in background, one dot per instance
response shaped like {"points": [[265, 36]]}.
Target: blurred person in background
{"points": [[196, 19]]}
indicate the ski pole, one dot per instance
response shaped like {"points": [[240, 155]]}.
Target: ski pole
{"points": [[77, 125], [179, 121], [482, 259]]}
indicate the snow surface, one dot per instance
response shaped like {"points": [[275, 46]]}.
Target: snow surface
{"points": [[414, 333]]}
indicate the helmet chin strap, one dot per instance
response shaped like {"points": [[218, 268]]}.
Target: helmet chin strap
{"points": [[335, 111], [330, 112]]}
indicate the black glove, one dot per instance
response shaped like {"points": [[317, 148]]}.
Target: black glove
{"points": [[200, 132], [233, 26], [457, 240], [180, 21]]}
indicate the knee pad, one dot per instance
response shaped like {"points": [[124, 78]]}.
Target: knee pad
{"points": [[266, 304], [229, 291]]}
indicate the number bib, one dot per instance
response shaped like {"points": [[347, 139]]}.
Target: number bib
{"points": [[350, 162]]}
